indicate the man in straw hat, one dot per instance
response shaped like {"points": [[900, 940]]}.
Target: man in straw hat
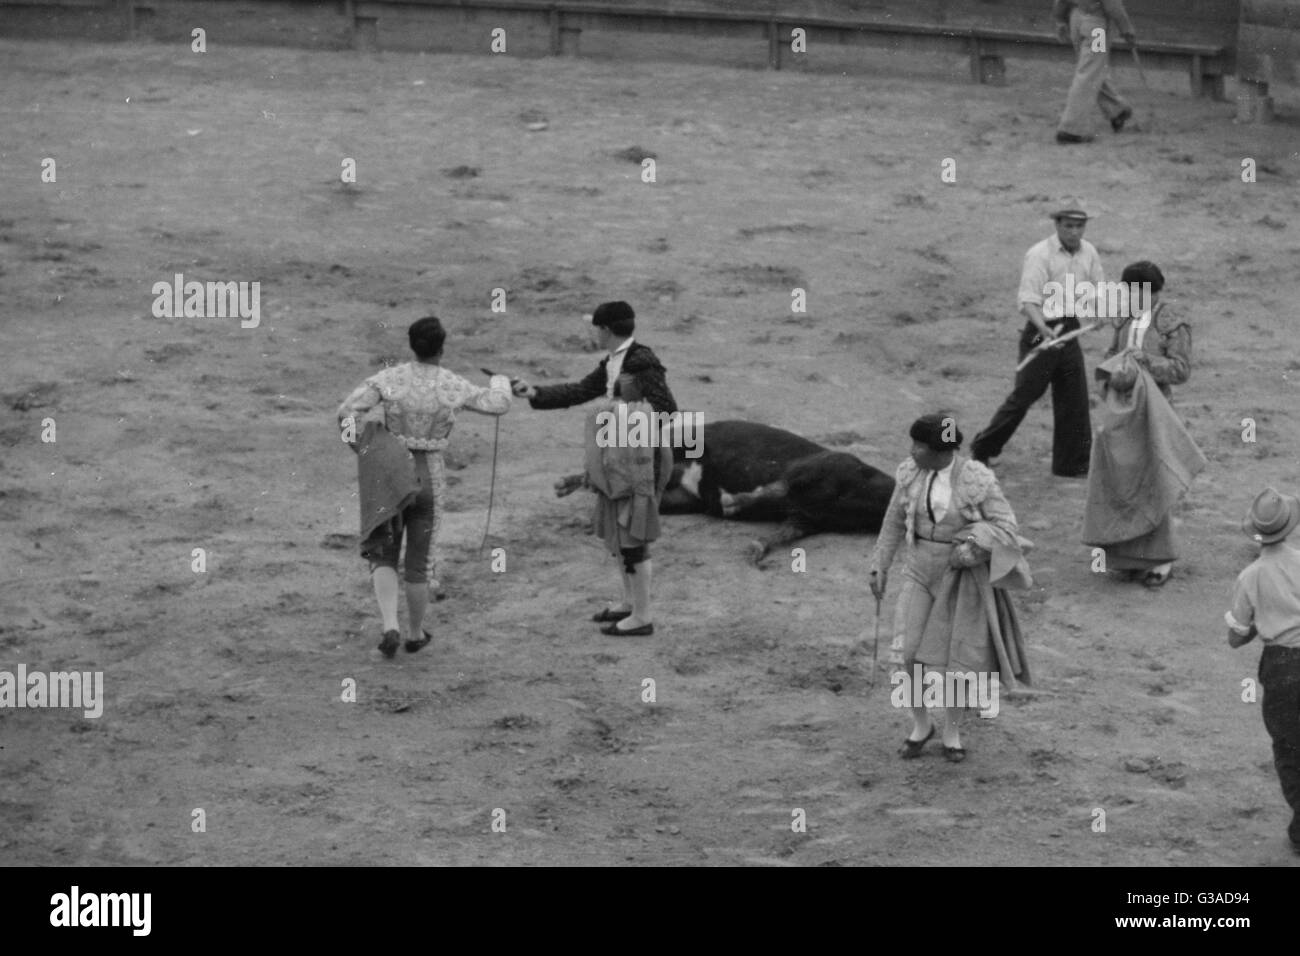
{"points": [[1058, 283], [1266, 603], [1088, 26]]}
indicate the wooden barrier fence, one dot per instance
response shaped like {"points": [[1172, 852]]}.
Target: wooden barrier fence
{"points": [[1198, 36]]}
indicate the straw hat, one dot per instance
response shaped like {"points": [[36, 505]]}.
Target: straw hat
{"points": [[1070, 208], [1272, 516]]}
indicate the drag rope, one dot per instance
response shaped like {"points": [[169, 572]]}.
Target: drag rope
{"points": [[492, 487]]}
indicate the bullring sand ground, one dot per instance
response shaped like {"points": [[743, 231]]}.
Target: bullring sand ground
{"points": [[223, 688]]}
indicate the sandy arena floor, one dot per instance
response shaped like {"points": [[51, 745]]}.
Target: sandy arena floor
{"points": [[223, 688]]}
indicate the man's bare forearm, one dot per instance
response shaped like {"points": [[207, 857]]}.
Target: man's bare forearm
{"points": [[1034, 313], [1236, 640]]}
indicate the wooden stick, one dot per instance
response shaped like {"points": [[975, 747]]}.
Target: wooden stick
{"points": [[1038, 350], [1137, 61]]}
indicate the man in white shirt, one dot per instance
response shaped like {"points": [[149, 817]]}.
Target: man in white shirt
{"points": [[1266, 604], [1058, 284]]}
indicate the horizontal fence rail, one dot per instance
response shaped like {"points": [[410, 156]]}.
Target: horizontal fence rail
{"points": [[985, 46], [367, 25]]}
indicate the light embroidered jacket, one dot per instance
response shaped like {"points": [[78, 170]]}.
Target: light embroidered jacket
{"points": [[418, 402], [975, 494], [1164, 350]]}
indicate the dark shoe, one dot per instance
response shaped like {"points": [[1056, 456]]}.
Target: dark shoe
{"points": [[1072, 474], [388, 646], [1154, 579], [413, 646], [1072, 138], [1118, 122], [911, 749], [608, 616], [645, 630], [954, 754]]}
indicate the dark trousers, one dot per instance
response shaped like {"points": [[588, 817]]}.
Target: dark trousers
{"points": [[1063, 369], [1279, 673]]}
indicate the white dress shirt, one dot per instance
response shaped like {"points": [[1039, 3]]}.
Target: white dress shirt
{"points": [[940, 491], [1138, 329], [1049, 261], [614, 367]]}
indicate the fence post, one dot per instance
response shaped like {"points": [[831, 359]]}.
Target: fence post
{"points": [[126, 18]]}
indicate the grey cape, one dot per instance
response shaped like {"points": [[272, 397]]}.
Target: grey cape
{"points": [[1143, 460], [385, 477]]}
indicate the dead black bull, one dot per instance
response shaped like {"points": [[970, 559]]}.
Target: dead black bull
{"points": [[752, 472]]}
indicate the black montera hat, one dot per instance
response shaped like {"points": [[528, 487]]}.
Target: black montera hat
{"points": [[938, 431], [607, 313]]}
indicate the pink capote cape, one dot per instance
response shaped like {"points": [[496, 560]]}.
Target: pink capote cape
{"points": [[1143, 459], [973, 624]]}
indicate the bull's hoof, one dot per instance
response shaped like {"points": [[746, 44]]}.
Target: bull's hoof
{"points": [[728, 504], [756, 551], [568, 485]]}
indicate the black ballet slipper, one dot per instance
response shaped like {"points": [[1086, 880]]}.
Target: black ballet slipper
{"points": [[911, 749], [413, 646], [1156, 579], [613, 630]]}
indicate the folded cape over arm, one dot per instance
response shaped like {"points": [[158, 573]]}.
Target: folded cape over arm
{"points": [[973, 617], [385, 477]]}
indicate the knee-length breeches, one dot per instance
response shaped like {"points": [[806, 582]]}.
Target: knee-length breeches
{"points": [[927, 562], [418, 524]]}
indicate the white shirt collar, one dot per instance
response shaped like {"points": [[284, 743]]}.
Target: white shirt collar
{"points": [[614, 366]]}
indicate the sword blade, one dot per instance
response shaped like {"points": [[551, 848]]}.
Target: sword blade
{"points": [[1137, 61], [875, 644]]}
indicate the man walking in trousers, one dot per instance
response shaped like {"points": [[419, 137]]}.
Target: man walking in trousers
{"points": [[1089, 25], [1058, 283]]}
